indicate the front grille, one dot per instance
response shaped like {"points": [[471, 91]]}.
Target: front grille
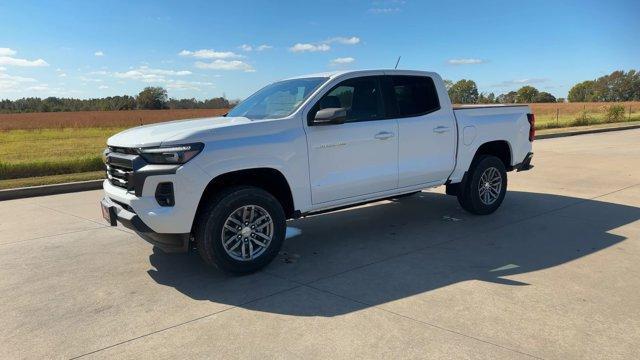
{"points": [[120, 167], [119, 176], [123, 150], [128, 170]]}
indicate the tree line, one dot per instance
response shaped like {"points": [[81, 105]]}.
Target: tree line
{"points": [[151, 98], [617, 86]]}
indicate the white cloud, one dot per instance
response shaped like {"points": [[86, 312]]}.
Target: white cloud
{"points": [[89, 79], [147, 74], [386, 6], [508, 83], [187, 85], [62, 75], [164, 72], [324, 45], [344, 40], [102, 87], [98, 72], [6, 58], [468, 61], [11, 61], [7, 52], [3, 68], [387, 10], [210, 54], [247, 47], [40, 87], [342, 61], [299, 47], [225, 65], [9, 82], [98, 53]]}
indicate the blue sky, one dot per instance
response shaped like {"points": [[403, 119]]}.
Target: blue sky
{"points": [[204, 49]]}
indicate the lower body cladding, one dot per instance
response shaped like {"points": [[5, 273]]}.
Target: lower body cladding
{"points": [[114, 213]]}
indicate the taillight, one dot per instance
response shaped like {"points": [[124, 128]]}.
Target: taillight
{"points": [[532, 126]]}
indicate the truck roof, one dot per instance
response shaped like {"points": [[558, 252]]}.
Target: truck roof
{"points": [[331, 74]]}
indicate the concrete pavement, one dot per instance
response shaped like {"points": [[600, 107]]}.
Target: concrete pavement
{"points": [[553, 274]]}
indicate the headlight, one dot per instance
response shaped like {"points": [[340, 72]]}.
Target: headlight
{"points": [[178, 154]]}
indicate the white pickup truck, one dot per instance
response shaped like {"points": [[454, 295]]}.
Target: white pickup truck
{"points": [[306, 145]]}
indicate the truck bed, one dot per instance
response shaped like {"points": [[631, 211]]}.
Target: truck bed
{"points": [[479, 106], [480, 124]]}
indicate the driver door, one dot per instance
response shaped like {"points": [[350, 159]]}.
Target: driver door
{"points": [[358, 157]]}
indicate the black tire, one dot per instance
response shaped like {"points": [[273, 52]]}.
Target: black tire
{"points": [[469, 196], [210, 223]]}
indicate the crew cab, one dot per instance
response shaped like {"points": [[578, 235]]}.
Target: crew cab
{"points": [[227, 185]]}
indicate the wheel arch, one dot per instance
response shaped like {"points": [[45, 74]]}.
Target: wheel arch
{"points": [[498, 148], [268, 179]]}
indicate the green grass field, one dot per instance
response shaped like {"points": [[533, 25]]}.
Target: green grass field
{"points": [[30, 153], [51, 179], [563, 121]]}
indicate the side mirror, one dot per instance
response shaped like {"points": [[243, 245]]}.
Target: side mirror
{"points": [[330, 116]]}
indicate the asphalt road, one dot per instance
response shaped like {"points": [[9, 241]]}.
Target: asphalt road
{"points": [[553, 274]]}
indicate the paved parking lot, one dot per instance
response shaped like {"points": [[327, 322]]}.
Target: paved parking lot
{"points": [[553, 274]]}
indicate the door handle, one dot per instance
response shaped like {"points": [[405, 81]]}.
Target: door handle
{"points": [[383, 135], [441, 129]]}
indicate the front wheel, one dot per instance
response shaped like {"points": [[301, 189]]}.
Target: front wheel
{"points": [[485, 186], [241, 230]]}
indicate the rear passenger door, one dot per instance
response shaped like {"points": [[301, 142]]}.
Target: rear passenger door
{"points": [[426, 150]]}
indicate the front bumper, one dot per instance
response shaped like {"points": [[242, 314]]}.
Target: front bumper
{"points": [[124, 215], [188, 181]]}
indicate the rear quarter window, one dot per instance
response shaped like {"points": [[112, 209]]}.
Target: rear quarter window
{"points": [[413, 95]]}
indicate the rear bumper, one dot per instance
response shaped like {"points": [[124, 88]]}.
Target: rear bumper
{"points": [[130, 220], [525, 164]]}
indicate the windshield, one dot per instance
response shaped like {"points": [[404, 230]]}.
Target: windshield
{"points": [[277, 100]]}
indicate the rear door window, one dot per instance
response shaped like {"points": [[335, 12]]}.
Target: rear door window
{"points": [[412, 95]]}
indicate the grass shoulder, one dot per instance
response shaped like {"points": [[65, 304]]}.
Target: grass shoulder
{"points": [[52, 179]]}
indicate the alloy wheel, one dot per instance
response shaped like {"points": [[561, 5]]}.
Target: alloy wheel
{"points": [[247, 232], [490, 185]]}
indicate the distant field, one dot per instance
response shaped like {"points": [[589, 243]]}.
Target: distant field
{"points": [[27, 153], [43, 144], [99, 119], [556, 115], [43, 148]]}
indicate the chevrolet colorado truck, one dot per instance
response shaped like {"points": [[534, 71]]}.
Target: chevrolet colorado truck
{"points": [[227, 185]]}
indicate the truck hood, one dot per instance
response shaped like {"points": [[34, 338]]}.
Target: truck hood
{"points": [[173, 131]]}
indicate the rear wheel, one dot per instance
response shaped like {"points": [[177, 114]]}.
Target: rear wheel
{"points": [[241, 230], [485, 186]]}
